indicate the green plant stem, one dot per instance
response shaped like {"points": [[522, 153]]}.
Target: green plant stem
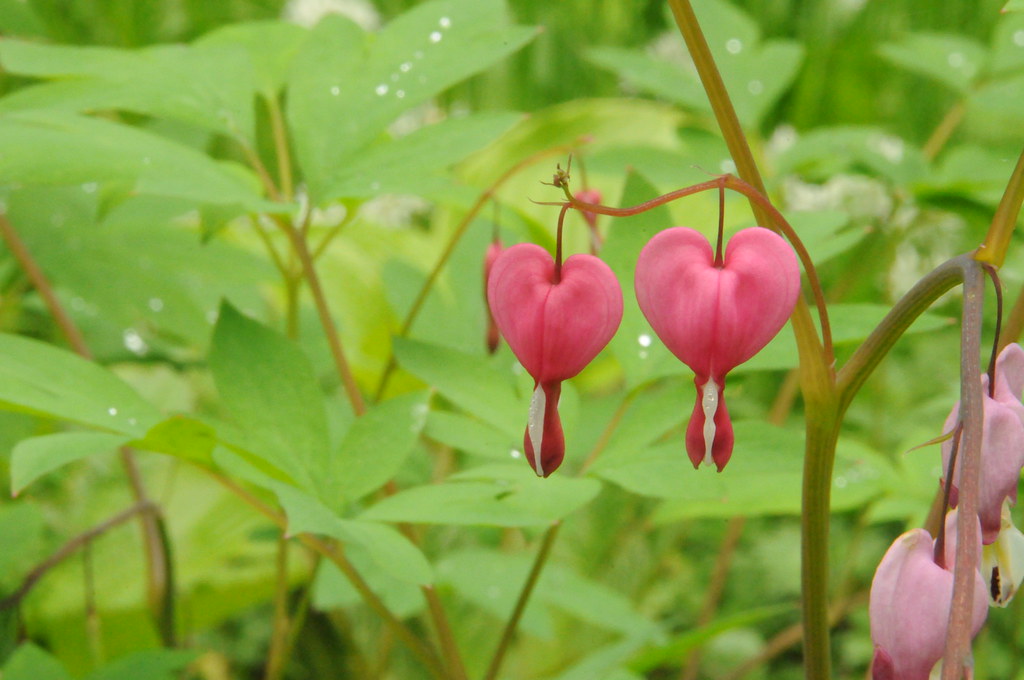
{"points": [[449, 248], [957, 656], [449, 649], [280, 133], [417, 646], [944, 130], [301, 249], [159, 569], [1004, 221], [276, 657], [69, 548], [524, 598]]}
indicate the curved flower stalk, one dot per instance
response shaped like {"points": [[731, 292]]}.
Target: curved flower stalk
{"points": [[493, 336], [555, 320], [714, 314], [910, 602], [1002, 449]]}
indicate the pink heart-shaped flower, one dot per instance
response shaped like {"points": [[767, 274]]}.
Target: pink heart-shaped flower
{"points": [[555, 328], [715, 317]]}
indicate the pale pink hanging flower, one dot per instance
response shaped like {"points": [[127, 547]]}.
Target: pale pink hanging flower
{"points": [[591, 196], [909, 605], [493, 336], [1002, 444], [715, 315], [555, 327]]}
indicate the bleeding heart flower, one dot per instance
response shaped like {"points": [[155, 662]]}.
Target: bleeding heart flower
{"points": [[493, 336], [714, 316], [1002, 443], [909, 607], [555, 327]]}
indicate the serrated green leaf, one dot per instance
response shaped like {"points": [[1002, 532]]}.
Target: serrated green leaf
{"points": [[32, 458], [39, 378], [468, 381], [388, 548], [494, 495], [32, 663], [271, 46], [344, 90], [952, 60], [208, 86], [413, 164], [181, 437], [57, 148], [377, 444], [268, 386], [152, 664]]}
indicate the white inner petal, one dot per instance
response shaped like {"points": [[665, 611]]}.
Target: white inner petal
{"points": [[535, 426], [709, 403]]}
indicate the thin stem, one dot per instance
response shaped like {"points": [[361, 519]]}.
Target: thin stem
{"points": [[160, 575], [449, 649], [1004, 221], [944, 130], [419, 648], [719, 261], [524, 598], [279, 631], [939, 553], [70, 548], [280, 132], [301, 249], [997, 287], [453, 241], [558, 244], [957, 656]]}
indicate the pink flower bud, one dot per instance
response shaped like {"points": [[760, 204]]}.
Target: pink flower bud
{"points": [[493, 336], [589, 196], [555, 328], [714, 318], [1002, 444], [909, 607]]}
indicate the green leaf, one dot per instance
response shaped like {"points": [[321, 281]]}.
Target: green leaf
{"points": [[54, 148], [469, 435], [18, 17], [470, 382], [953, 60], [413, 164], [828, 151], [763, 476], [377, 444], [208, 86], [268, 386], [271, 46], [493, 495], [344, 89], [32, 458], [23, 525], [1014, 6], [39, 378], [181, 437], [32, 663], [332, 590], [389, 549], [635, 345], [151, 664]]}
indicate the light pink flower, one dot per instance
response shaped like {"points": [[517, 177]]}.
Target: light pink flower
{"points": [[555, 328], [909, 606], [714, 316], [1002, 444]]}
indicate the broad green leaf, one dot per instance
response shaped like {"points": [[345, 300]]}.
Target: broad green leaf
{"points": [[54, 148], [211, 87], [151, 664], [823, 232], [828, 151], [493, 495], [18, 17], [649, 416], [332, 590], [470, 436], [413, 164], [635, 345], [271, 46], [377, 444], [32, 458], [21, 524], [389, 549], [1014, 6], [268, 386], [32, 663], [181, 437], [763, 476], [952, 60], [1007, 54], [345, 89], [39, 378], [468, 381], [605, 663]]}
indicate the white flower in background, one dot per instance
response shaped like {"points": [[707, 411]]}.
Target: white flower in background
{"points": [[395, 211], [308, 12], [1002, 563]]}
